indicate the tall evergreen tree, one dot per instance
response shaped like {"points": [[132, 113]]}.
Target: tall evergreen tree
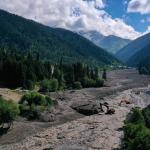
{"points": [[104, 75]]}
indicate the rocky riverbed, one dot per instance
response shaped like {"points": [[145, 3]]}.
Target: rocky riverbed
{"points": [[98, 131], [74, 131]]}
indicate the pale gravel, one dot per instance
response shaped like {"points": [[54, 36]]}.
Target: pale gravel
{"points": [[97, 132]]}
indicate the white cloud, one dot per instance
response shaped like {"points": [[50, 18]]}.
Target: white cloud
{"points": [[71, 14], [148, 29], [100, 3], [140, 6]]}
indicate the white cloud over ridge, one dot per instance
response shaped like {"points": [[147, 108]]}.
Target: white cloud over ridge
{"points": [[140, 6], [74, 15]]}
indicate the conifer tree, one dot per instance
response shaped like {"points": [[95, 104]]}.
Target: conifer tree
{"points": [[104, 76]]}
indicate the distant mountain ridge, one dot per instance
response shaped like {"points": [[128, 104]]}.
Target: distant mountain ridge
{"points": [[111, 43], [133, 49], [23, 35], [140, 56]]}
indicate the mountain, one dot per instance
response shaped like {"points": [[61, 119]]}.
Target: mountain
{"points": [[140, 56], [111, 43], [144, 66], [133, 49], [23, 35]]}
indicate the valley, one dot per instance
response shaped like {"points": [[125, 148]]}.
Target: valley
{"points": [[73, 80], [71, 128]]}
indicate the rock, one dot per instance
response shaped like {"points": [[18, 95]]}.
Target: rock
{"points": [[60, 136], [48, 148], [47, 117], [110, 111], [87, 109]]}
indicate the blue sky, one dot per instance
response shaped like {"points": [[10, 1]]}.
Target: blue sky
{"points": [[128, 19], [118, 9]]}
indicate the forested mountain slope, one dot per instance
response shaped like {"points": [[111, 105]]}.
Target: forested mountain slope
{"points": [[140, 56], [131, 49], [22, 35]]}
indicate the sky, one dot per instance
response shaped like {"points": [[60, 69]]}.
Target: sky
{"points": [[128, 19]]}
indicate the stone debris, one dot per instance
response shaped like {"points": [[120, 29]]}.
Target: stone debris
{"points": [[101, 132]]}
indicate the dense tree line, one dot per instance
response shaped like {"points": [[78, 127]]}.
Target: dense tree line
{"points": [[24, 70], [20, 70], [144, 66]]}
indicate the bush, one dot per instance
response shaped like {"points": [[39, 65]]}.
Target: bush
{"points": [[137, 137], [9, 110], [49, 101], [49, 85], [33, 113], [45, 86], [24, 110], [136, 132], [54, 85], [32, 104], [87, 82], [77, 85], [136, 117], [29, 85], [33, 98], [146, 114], [99, 83]]}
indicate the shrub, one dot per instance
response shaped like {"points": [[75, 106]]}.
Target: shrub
{"points": [[146, 114], [137, 137], [49, 101], [24, 110], [136, 117], [87, 82], [33, 113], [45, 86], [99, 83], [8, 111], [54, 85], [136, 132], [33, 98], [77, 85], [29, 85], [49, 85], [32, 104]]}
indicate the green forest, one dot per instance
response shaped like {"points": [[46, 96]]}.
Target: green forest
{"points": [[23, 35], [18, 70]]}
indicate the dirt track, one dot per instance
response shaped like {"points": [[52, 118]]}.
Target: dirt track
{"points": [[81, 129]]}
